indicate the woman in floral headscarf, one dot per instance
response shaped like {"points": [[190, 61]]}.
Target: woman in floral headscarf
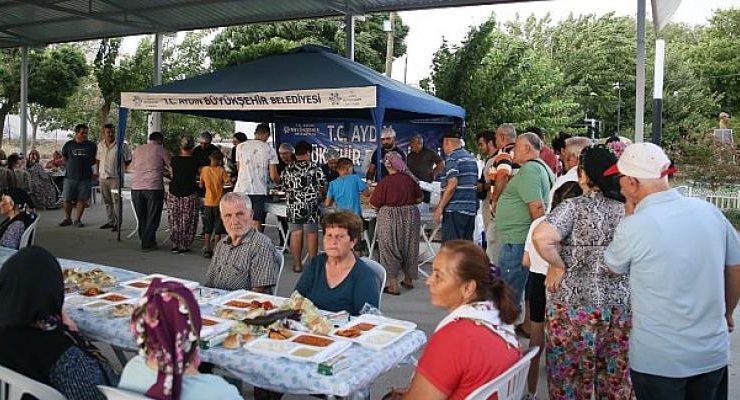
{"points": [[167, 328], [398, 223]]}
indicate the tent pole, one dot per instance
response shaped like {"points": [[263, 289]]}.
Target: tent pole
{"points": [[349, 27], [122, 119], [640, 74], [24, 100], [156, 125], [378, 116]]}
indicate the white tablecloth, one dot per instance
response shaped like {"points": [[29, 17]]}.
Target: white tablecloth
{"points": [[278, 374]]}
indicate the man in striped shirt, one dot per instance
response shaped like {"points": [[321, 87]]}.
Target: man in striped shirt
{"points": [[459, 203]]}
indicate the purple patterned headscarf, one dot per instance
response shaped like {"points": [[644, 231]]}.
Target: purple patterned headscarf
{"points": [[167, 328], [394, 160]]}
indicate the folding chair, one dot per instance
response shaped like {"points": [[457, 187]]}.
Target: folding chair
{"points": [[509, 385], [112, 393], [380, 275], [14, 385], [29, 235]]}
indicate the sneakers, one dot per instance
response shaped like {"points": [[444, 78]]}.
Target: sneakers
{"points": [[107, 226], [79, 224], [65, 222], [175, 250], [207, 254]]}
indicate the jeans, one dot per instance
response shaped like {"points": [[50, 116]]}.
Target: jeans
{"points": [[512, 271], [707, 386], [148, 207], [456, 225]]}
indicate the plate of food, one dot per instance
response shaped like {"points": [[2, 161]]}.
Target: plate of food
{"points": [[84, 279], [142, 284], [212, 325], [104, 301], [121, 310], [374, 332], [299, 346]]}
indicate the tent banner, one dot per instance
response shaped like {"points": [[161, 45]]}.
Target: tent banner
{"points": [[305, 99], [356, 140]]}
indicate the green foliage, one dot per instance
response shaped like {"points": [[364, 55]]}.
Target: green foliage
{"points": [[702, 158], [241, 44], [520, 85], [734, 217]]}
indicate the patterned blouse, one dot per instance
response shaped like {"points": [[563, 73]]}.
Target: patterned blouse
{"points": [[303, 181], [252, 263], [586, 225]]}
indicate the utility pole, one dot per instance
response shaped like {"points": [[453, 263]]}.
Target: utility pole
{"points": [[618, 87], [388, 28]]}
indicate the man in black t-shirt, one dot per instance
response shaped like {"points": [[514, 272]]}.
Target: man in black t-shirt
{"points": [[205, 148], [388, 143], [79, 157]]}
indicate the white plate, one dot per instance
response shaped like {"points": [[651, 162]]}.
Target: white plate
{"points": [[147, 279], [222, 325], [385, 332], [247, 296], [292, 350]]}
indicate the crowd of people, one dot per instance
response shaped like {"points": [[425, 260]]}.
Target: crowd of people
{"points": [[625, 286]]}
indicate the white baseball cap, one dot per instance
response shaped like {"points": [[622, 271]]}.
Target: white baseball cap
{"points": [[642, 161], [387, 133]]}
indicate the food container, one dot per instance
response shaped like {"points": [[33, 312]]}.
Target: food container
{"points": [[212, 326], [373, 331], [301, 346], [142, 284]]}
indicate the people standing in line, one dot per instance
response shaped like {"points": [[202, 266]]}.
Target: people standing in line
{"points": [[148, 164], [568, 182], [387, 143], [239, 138], [424, 162], [182, 199], [486, 141], [398, 223], [344, 192], [106, 162], [547, 155], [257, 165], [330, 167], [588, 310], [304, 183], [502, 169], [683, 260], [212, 179], [458, 203], [79, 158], [525, 199], [245, 258], [42, 193]]}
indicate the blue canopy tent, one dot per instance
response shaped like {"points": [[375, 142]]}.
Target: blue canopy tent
{"points": [[307, 83]]}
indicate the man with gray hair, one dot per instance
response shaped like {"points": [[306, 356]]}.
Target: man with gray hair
{"points": [[525, 198], [388, 143], [423, 162], [330, 167], [569, 156], [245, 258]]}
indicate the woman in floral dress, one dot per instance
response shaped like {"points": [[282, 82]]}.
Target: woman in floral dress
{"points": [[588, 312]]}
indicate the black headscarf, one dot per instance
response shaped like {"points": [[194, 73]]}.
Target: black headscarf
{"points": [[594, 161]]}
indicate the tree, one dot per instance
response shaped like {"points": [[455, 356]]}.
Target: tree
{"points": [[499, 78], [716, 57], [241, 44], [109, 76], [54, 75]]}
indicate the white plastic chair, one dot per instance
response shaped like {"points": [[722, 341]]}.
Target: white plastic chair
{"points": [[14, 385], [509, 385], [112, 393], [29, 235], [380, 275], [280, 273]]}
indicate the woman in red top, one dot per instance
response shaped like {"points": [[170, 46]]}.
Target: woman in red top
{"points": [[398, 222], [475, 342]]}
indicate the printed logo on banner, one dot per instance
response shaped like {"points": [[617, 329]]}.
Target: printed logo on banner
{"points": [[335, 98]]}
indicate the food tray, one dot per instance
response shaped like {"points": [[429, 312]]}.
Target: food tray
{"points": [[142, 284], [375, 332], [101, 304], [239, 299], [295, 349], [213, 325]]}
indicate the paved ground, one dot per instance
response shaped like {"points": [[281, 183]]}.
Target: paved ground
{"points": [[100, 246]]}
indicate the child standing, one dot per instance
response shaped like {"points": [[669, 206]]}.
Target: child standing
{"points": [[213, 178], [344, 192]]}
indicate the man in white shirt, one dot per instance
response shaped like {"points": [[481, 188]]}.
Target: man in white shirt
{"points": [[107, 166], [256, 163], [571, 154]]}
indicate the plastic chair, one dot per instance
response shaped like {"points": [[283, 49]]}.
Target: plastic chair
{"points": [[14, 385], [280, 273], [112, 393], [509, 385], [29, 235], [380, 275]]}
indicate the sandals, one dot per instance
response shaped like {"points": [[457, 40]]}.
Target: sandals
{"points": [[407, 285], [297, 270], [388, 290]]}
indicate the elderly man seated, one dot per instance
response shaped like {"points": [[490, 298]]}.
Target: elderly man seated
{"points": [[246, 258]]}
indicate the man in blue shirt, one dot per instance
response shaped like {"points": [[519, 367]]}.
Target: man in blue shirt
{"points": [[459, 201], [683, 257]]}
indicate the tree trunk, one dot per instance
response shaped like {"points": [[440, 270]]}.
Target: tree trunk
{"points": [[34, 128], [104, 114], [4, 110]]}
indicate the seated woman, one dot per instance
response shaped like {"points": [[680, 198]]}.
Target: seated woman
{"points": [[21, 178], [42, 190], [13, 206], [167, 327], [38, 340], [337, 280], [478, 327], [56, 162]]}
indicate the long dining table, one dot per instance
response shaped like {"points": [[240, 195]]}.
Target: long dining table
{"points": [[365, 365]]}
